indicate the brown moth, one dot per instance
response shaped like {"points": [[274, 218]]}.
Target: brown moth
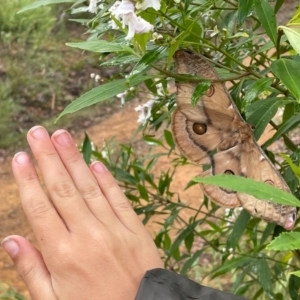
{"points": [[214, 133]]}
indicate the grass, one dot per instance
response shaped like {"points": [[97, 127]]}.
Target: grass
{"points": [[9, 293], [39, 75]]}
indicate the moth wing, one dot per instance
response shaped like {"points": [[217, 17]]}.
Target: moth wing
{"points": [[265, 171]]}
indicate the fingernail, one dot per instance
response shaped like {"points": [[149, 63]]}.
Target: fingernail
{"points": [[38, 132], [10, 246], [99, 167], [22, 158], [62, 138]]}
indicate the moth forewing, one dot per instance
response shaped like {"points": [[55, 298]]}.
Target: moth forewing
{"points": [[213, 132]]}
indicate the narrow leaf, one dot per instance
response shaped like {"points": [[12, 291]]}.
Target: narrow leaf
{"points": [[181, 237], [249, 186], [286, 241], [285, 127], [232, 264], [267, 18], [294, 168], [296, 273], [278, 5], [292, 32], [86, 149], [296, 17], [265, 277], [256, 88], [120, 60], [238, 229], [293, 286], [260, 113], [43, 3], [101, 46], [199, 91], [149, 58], [99, 94], [189, 263], [169, 138], [244, 9], [288, 72]]}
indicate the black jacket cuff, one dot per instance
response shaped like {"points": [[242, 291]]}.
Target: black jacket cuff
{"points": [[160, 284]]}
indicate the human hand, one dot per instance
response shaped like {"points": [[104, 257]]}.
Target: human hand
{"points": [[92, 244]]}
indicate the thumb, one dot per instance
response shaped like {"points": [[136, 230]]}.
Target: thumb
{"points": [[30, 266]]}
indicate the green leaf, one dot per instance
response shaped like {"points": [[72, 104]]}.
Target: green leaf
{"points": [[100, 93], [283, 128], [267, 233], [169, 138], [199, 91], [261, 112], [290, 110], [232, 264], [120, 60], [188, 241], [296, 17], [267, 18], [264, 276], [149, 58], [294, 283], [43, 3], [101, 46], [151, 140], [194, 29], [278, 5], [292, 32], [244, 9], [189, 263], [182, 236], [249, 186], [294, 168], [256, 88], [143, 192], [296, 273], [238, 229], [286, 241], [86, 149], [288, 72]]}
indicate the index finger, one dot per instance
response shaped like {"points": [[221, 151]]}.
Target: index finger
{"points": [[47, 225]]}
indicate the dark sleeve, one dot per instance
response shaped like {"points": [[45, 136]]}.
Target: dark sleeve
{"points": [[160, 284]]}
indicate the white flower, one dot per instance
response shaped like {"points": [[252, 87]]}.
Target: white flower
{"points": [[148, 3], [93, 6], [92, 75], [215, 31], [122, 97], [104, 154], [156, 36], [159, 87], [124, 11], [145, 111], [97, 78]]}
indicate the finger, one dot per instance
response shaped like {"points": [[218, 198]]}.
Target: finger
{"points": [[30, 266], [116, 198], [41, 214], [83, 178], [64, 195]]}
